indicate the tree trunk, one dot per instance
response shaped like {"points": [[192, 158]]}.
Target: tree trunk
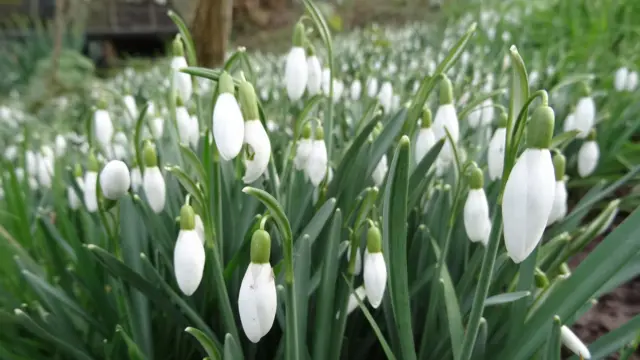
{"points": [[211, 28]]}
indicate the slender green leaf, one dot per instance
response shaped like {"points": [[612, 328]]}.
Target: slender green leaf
{"points": [[231, 349], [207, 344], [552, 351], [506, 298], [134, 351]]}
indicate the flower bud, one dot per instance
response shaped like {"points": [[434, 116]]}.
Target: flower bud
{"points": [[446, 91], [571, 341], [115, 180], [375, 269], [540, 128], [228, 123], [260, 247]]}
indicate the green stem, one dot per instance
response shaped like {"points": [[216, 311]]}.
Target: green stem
{"points": [[217, 193], [293, 347]]}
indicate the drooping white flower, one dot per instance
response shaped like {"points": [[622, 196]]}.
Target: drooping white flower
{"points": [[11, 152], [475, 117], [45, 170], [119, 146], [620, 79], [585, 116], [588, 157], [90, 195], [257, 300], [61, 145], [228, 123], [495, 153], [529, 192], [380, 171], [194, 132], [385, 96], [132, 109], [559, 208], [446, 118], [258, 144], [136, 178], [74, 201], [632, 81], [156, 125], [181, 81], [317, 162], [200, 228], [573, 343], [569, 123], [372, 87], [477, 223], [326, 81], [188, 254], [115, 179], [356, 89], [31, 162], [488, 112], [184, 123], [152, 180], [375, 269], [103, 128], [352, 304], [314, 78], [303, 149], [295, 70], [425, 141]]}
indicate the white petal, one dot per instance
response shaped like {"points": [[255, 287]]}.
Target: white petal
{"points": [[228, 126], [317, 162], [571, 341], [181, 81], [257, 301], [476, 216], [184, 124], [487, 112], [136, 178], [200, 228], [380, 171], [559, 209], [358, 264], [256, 137], [495, 154], [528, 198], [90, 198], [188, 261], [314, 78], [296, 73], [375, 277], [157, 127], [474, 117], [585, 116], [588, 156], [569, 123], [620, 80], [356, 89], [446, 117], [115, 179], [302, 153], [103, 127], [154, 188], [632, 81], [372, 87], [361, 294], [425, 141], [385, 96], [194, 132]]}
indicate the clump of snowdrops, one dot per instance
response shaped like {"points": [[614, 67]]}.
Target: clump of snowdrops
{"points": [[335, 205]]}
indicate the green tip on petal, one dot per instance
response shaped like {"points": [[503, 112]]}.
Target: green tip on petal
{"points": [[559, 165], [77, 170], [426, 118], [306, 131], [541, 279], [225, 83], [248, 101], [592, 135], [540, 128], [298, 35], [502, 120], [374, 242], [102, 104], [187, 218], [179, 101], [260, 247], [319, 134], [178, 50], [149, 155], [476, 178], [446, 91], [92, 163]]}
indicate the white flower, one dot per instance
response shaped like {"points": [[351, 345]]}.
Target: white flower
{"points": [[200, 228], [527, 202], [132, 109], [157, 127], [632, 81], [476, 216], [571, 341], [314, 78], [257, 301], [154, 188], [356, 89], [569, 123], [338, 88], [184, 124], [228, 126], [90, 196], [260, 150], [352, 304], [620, 79], [317, 162], [588, 158], [585, 116], [194, 132], [136, 179], [372, 87], [380, 171], [425, 141], [385, 96], [11, 152], [296, 73], [495, 154], [375, 277], [181, 81], [188, 261], [303, 151], [115, 179], [61, 145], [326, 81], [358, 264], [103, 128], [487, 112], [446, 117], [45, 170], [559, 208], [475, 116], [74, 201]]}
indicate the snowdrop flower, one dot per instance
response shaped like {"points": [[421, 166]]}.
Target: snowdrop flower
{"points": [[188, 255], [380, 171], [194, 132], [31, 162], [295, 71], [136, 178], [352, 304], [200, 228], [372, 87], [156, 125], [530, 189], [181, 81], [620, 79], [90, 179], [74, 201], [228, 124], [11, 153], [477, 223], [570, 122], [45, 170], [475, 117], [132, 109], [487, 112], [303, 149], [426, 138], [375, 269], [119, 146], [314, 72], [257, 300], [446, 118], [61, 145], [588, 156], [559, 208], [317, 162], [632, 81], [103, 127], [152, 180], [326, 81], [385, 96], [495, 154], [585, 116], [355, 90], [573, 343], [115, 180], [338, 88], [258, 144], [184, 121], [358, 264]]}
